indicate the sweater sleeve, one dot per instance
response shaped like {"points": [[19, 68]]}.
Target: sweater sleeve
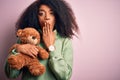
{"points": [[10, 72], [61, 61]]}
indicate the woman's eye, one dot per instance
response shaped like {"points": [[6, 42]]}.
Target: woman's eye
{"points": [[52, 13], [41, 13]]}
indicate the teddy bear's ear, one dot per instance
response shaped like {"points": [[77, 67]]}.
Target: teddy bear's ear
{"points": [[19, 32]]}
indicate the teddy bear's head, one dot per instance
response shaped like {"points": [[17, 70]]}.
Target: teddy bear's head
{"points": [[29, 35]]}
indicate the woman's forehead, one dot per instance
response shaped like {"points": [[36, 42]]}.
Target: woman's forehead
{"points": [[45, 7]]}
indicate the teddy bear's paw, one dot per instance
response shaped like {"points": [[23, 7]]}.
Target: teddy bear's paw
{"points": [[37, 70], [41, 69], [44, 55], [15, 66], [14, 62]]}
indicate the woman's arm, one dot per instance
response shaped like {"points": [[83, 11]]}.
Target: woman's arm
{"points": [[61, 63], [10, 72], [26, 49]]}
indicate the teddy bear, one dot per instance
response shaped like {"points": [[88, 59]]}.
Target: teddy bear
{"points": [[19, 60]]}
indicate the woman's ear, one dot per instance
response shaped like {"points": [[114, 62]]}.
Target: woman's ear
{"points": [[19, 32]]}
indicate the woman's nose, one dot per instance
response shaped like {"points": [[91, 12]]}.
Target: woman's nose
{"points": [[47, 17]]}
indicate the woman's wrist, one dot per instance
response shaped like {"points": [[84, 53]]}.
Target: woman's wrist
{"points": [[51, 48]]}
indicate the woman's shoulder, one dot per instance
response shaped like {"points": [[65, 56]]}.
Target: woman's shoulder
{"points": [[63, 39]]}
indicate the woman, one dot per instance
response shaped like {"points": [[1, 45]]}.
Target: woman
{"points": [[55, 21]]}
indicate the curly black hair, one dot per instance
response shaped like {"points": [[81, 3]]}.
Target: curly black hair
{"points": [[65, 19]]}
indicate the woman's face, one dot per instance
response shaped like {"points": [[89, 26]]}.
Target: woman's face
{"points": [[46, 15]]}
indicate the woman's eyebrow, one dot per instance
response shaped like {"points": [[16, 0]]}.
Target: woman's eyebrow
{"points": [[51, 10], [44, 10], [41, 10]]}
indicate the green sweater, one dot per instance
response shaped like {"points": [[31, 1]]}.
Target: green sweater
{"points": [[58, 66]]}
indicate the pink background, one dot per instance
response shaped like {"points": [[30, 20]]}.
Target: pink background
{"points": [[96, 52]]}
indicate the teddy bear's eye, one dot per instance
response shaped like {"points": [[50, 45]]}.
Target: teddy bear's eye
{"points": [[33, 37]]}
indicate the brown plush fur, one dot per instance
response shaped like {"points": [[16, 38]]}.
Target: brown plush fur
{"points": [[20, 60]]}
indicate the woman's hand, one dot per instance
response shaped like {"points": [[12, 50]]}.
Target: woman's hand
{"points": [[27, 49], [48, 35]]}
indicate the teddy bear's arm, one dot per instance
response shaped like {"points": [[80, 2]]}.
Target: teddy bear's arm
{"points": [[43, 54], [13, 47]]}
